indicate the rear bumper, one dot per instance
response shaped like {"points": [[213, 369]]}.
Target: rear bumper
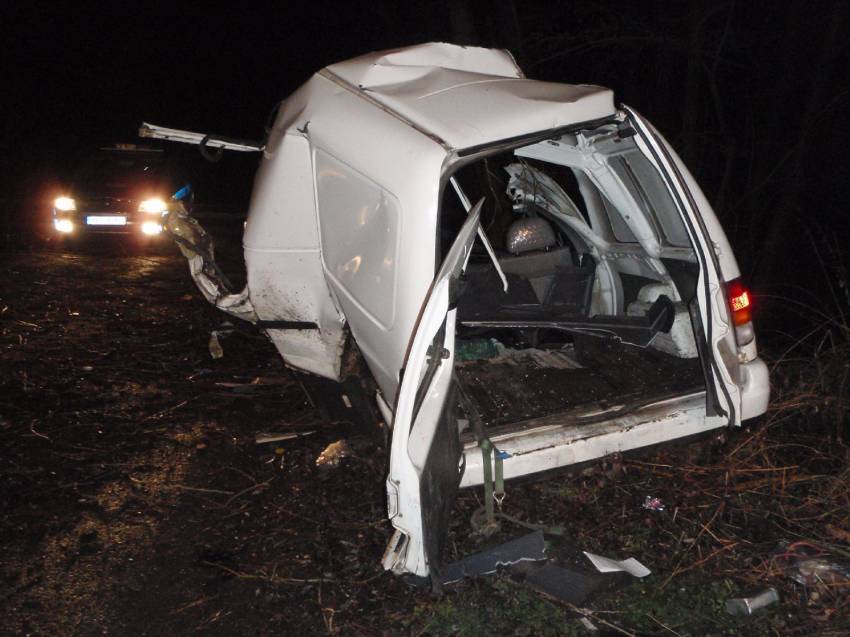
{"points": [[570, 443]]}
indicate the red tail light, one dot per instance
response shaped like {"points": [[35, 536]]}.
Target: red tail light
{"points": [[741, 305], [740, 302]]}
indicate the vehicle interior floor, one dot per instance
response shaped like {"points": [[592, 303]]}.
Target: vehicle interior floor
{"points": [[512, 387]]}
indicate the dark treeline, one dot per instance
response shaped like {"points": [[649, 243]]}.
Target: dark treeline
{"points": [[753, 95]]}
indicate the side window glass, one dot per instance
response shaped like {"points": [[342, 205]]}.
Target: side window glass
{"points": [[621, 230], [359, 229], [658, 198]]}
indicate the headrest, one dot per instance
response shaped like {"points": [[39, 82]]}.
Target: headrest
{"points": [[530, 233]]}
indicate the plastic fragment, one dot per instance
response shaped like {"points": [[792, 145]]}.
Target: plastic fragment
{"points": [[607, 565], [216, 351], [588, 625], [819, 570], [810, 565], [748, 605], [653, 503]]}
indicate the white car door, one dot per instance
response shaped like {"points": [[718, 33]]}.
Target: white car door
{"points": [[426, 454]]}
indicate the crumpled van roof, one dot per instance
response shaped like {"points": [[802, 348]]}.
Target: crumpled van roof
{"points": [[463, 97]]}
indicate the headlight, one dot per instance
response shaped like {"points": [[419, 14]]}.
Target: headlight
{"points": [[63, 225], [155, 206], [64, 204], [151, 228]]}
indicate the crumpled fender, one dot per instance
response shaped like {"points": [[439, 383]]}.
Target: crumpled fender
{"points": [[197, 246]]}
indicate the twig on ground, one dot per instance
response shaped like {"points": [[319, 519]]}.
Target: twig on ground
{"points": [[585, 612], [167, 411], [274, 579], [253, 487], [663, 625], [183, 487], [197, 602]]}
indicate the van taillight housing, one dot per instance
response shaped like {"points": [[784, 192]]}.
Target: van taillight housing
{"points": [[741, 305]]}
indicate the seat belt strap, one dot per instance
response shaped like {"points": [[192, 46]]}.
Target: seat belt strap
{"points": [[499, 481], [489, 492], [494, 486]]}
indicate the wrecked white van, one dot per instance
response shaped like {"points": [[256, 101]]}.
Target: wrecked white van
{"points": [[527, 272]]}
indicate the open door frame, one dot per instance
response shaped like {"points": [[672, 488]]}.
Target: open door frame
{"points": [[426, 454]]}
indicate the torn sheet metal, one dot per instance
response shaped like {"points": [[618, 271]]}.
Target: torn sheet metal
{"points": [[607, 565], [188, 137], [197, 246], [529, 547]]}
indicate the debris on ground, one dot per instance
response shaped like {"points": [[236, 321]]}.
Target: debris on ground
{"points": [[278, 458], [652, 503], [608, 565], [333, 454], [216, 350], [584, 621], [811, 566], [264, 437], [748, 605], [530, 547], [259, 381], [818, 571], [562, 583], [105, 491], [477, 349]]}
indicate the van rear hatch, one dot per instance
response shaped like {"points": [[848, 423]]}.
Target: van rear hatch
{"points": [[585, 331]]}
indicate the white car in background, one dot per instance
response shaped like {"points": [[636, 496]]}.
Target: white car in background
{"points": [[515, 272]]}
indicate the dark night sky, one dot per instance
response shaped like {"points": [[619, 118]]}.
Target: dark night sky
{"points": [[97, 70], [754, 95], [88, 74]]}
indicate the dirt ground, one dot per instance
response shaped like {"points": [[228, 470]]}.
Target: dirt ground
{"points": [[135, 500]]}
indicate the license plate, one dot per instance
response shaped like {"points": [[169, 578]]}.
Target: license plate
{"points": [[106, 220]]}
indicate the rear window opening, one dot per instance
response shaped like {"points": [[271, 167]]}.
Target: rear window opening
{"points": [[599, 270]]}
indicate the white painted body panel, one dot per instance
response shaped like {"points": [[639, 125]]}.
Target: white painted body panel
{"points": [[468, 96], [282, 240], [561, 445], [427, 117], [413, 433], [744, 384], [282, 257], [344, 129]]}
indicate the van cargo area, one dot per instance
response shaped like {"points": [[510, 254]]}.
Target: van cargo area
{"points": [[566, 321], [523, 387]]}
